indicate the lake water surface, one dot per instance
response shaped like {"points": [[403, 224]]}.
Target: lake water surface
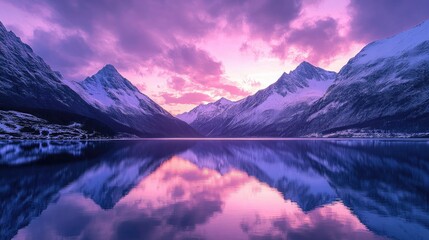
{"points": [[171, 189]]}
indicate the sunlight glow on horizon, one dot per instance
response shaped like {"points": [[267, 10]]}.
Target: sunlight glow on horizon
{"points": [[171, 51]]}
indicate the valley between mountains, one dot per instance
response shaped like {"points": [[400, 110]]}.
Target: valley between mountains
{"points": [[381, 92]]}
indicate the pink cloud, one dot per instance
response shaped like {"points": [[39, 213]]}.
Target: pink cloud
{"points": [[186, 98], [230, 90], [320, 39], [144, 29], [170, 36], [198, 71], [195, 63], [177, 83]]}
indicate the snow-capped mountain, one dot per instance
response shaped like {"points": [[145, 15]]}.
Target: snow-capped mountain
{"points": [[206, 111], [382, 91], [26, 81], [108, 90], [117, 98], [29, 86], [263, 113], [35, 102]]}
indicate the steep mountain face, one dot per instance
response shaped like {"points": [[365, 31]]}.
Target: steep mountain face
{"points": [[382, 91], [28, 82], [116, 97], [267, 111], [107, 90], [28, 85], [35, 102]]}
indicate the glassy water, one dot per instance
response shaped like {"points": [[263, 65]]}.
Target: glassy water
{"points": [[295, 189]]}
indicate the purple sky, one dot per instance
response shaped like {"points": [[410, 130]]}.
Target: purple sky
{"points": [[185, 52]]}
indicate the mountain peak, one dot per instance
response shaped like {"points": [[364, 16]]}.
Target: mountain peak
{"points": [[109, 78], [308, 71], [109, 69], [304, 65], [223, 101]]}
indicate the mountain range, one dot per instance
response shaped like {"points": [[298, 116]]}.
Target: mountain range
{"points": [[275, 105], [36, 102], [381, 92]]}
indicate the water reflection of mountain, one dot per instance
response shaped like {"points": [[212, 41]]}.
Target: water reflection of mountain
{"points": [[385, 183], [102, 171], [279, 164]]}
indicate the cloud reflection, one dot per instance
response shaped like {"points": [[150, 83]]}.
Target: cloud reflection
{"points": [[218, 190], [180, 200]]}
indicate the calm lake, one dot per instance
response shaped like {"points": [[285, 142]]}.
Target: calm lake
{"points": [[230, 189]]}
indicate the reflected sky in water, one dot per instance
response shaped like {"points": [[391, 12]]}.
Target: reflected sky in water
{"points": [[331, 189]]}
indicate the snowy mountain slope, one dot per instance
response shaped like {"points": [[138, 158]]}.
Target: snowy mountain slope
{"points": [[29, 85], [115, 96], [104, 105], [278, 104], [205, 111], [384, 87], [109, 90], [27, 82]]}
